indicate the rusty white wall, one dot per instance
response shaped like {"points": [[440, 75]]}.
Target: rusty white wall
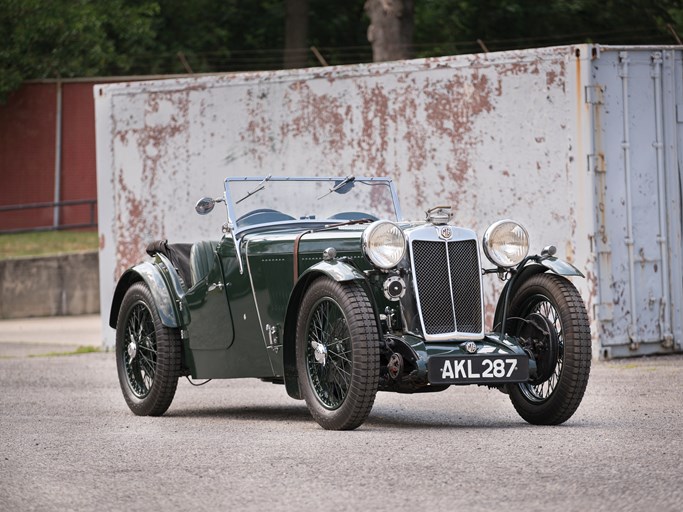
{"points": [[497, 135]]}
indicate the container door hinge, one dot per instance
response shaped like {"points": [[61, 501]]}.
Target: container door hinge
{"points": [[596, 163], [679, 114], [595, 94], [604, 311], [656, 65]]}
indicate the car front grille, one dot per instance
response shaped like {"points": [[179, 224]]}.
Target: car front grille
{"points": [[448, 282]]}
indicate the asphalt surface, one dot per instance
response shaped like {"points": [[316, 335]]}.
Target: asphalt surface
{"points": [[68, 442]]}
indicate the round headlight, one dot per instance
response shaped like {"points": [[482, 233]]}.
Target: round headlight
{"points": [[506, 243], [384, 244]]}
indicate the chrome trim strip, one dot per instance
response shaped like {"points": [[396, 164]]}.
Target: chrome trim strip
{"points": [[397, 204], [229, 228], [450, 286], [237, 244], [258, 312]]}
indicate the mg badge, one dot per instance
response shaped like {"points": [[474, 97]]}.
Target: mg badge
{"points": [[445, 232], [471, 347]]}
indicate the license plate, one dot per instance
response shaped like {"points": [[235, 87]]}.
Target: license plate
{"points": [[482, 369]]}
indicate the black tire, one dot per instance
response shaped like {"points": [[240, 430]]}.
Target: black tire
{"points": [[555, 399], [147, 354], [337, 352]]}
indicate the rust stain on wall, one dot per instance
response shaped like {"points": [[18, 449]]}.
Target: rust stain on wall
{"points": [[258, 135], [132, 222], [378, 117], [450, 111], [416, 140], [550, 77], [321, 116], [155, 139], [165, 129]]}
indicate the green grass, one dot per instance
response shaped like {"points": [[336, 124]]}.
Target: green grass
{"points": [[78, 351], [46, 243]]}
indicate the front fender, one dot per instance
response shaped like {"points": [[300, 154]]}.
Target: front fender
{"points": [[561, 267], [552, 264], [339, 271], [165, 299], [336, 270]]}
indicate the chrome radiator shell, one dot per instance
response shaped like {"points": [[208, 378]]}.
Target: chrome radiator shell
{"points": [[446, 300]]}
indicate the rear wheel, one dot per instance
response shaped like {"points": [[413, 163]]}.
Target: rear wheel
{"points": [[551, 304], [147, 354], [337, 347]]}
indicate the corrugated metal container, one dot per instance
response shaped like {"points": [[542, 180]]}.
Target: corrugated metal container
{"points": [[579, 143], [636, 102]]}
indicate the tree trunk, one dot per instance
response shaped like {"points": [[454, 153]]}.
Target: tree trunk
{"points": [[296, 33], [391, 28]]}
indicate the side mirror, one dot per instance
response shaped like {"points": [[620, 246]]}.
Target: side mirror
{"points": [[205, 205]]}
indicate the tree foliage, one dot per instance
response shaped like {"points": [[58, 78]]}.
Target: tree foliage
{"points": [[66, 38], [70, 38], [207, 33], [454, 26]]}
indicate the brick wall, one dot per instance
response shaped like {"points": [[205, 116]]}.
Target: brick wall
{"points": [[27, 153]]}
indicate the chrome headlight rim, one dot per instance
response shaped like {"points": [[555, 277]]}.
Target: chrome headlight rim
{"points": [[488, 243], [382, 261]]}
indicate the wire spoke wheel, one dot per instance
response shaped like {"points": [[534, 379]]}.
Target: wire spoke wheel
{"points": [[337, 347], [140, 338], [563, 357], [147, 354], [329, 367], [539, 304]]}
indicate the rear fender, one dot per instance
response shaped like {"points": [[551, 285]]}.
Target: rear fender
{"points": [[336, 270], [167, 294], [554, 265]]}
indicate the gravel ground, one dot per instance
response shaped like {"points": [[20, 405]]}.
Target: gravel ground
{"points": [[70, 443]]}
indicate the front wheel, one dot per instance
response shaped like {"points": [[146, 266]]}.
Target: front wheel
{"points": [[147, 354], [552, 304], [337, 349]]}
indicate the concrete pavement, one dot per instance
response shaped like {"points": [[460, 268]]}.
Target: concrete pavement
{"points": [[43, 335], [69, 442]]}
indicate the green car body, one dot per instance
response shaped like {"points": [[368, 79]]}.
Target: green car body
{"points": [[236, 308]]}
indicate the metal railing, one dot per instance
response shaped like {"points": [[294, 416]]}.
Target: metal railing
{"points": [[52, 204]]}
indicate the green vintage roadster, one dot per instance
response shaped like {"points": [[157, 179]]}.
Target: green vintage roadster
{"points": [[320, 285]]}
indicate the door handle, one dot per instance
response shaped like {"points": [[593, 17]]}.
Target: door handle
{"points": [[214, 286]]}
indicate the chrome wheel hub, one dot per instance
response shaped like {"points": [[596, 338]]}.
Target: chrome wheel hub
{"points": [[132, 348], [320, 352]]}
